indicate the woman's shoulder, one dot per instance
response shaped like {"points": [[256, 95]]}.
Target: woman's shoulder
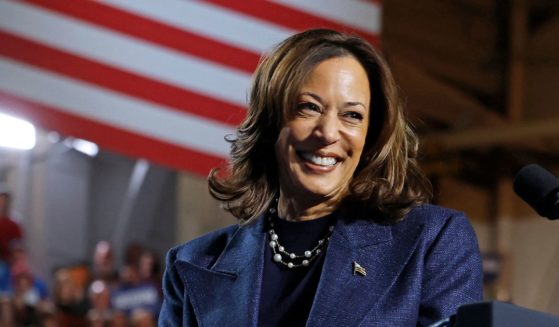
{"points": [[434, 215], [436, 220], [205, 248]]}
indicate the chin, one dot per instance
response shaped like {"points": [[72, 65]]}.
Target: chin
{"points": [[319, 190]]}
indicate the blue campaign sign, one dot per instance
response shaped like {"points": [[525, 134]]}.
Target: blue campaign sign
{"points": [[143, 296], [5, 279]]}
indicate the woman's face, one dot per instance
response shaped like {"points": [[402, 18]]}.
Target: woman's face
{"points": [[319, 147]]}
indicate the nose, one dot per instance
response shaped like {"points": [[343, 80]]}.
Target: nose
{"points": [[327, 129]]}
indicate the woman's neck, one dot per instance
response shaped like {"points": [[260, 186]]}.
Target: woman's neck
{"points": [[295, 209]]}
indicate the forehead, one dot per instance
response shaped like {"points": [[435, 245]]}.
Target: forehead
{"points": [[337, 65], [343, 77]]}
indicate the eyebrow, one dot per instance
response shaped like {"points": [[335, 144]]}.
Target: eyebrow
{"points": [[319, 99]]}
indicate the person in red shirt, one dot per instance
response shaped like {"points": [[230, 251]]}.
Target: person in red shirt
{"points": [[9, 229]]}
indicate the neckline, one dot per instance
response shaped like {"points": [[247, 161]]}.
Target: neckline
{"points": [[329, 218]]}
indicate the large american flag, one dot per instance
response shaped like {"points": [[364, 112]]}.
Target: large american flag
{"points": [[161, 80]]}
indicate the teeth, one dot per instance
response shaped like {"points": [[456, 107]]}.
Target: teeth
{"points": [[322, 161]]}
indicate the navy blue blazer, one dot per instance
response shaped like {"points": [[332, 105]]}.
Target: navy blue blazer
{"points": [[418, 271]]}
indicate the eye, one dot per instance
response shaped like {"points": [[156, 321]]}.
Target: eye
{"points": [[308, 107], [353, 116]]}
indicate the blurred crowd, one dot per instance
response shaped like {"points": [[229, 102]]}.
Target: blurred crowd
{"points": [[89, 294]]}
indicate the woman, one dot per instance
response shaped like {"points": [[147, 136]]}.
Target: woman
{"points": [[334, 229]]}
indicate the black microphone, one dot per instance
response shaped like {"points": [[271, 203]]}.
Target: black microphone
{"points": [[539, 188]]}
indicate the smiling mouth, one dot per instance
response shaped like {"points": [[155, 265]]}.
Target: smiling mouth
{"points": [[324, 161]]}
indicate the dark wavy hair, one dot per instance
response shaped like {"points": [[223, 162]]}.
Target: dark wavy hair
{"points": [[387, 182]]}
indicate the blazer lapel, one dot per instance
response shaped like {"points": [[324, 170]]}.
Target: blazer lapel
{"points": [[228, 293], [344, 298]]}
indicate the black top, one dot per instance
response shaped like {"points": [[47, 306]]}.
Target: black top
{"points": [[288, 293]]}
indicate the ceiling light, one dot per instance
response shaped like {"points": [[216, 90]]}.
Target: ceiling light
{"points": [[89, 148], [16, 133]]}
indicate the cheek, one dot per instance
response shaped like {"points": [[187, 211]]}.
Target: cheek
{"points": [[357, 140], [282, 150], [289, 137], [299, 130]]}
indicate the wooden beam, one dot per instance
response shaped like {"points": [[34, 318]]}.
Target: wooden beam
{"points": [[516, 89], [430, 98], [492, 136]]}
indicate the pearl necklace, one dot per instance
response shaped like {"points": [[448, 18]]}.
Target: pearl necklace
{"points": [[290, 259]]}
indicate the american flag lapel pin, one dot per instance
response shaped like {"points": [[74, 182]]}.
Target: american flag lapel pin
{"points": [[357, 269]]}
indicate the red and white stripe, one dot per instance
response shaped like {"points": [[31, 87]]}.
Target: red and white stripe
{"points": [[163, 81]]}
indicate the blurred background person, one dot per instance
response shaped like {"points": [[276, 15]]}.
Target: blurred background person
{"points": [[131, 293], [120, 319], [7, 311], [142, 318], [100, 311], [149, 268], [103, 267], [69, 299], [29, 291], [9, 229]]}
